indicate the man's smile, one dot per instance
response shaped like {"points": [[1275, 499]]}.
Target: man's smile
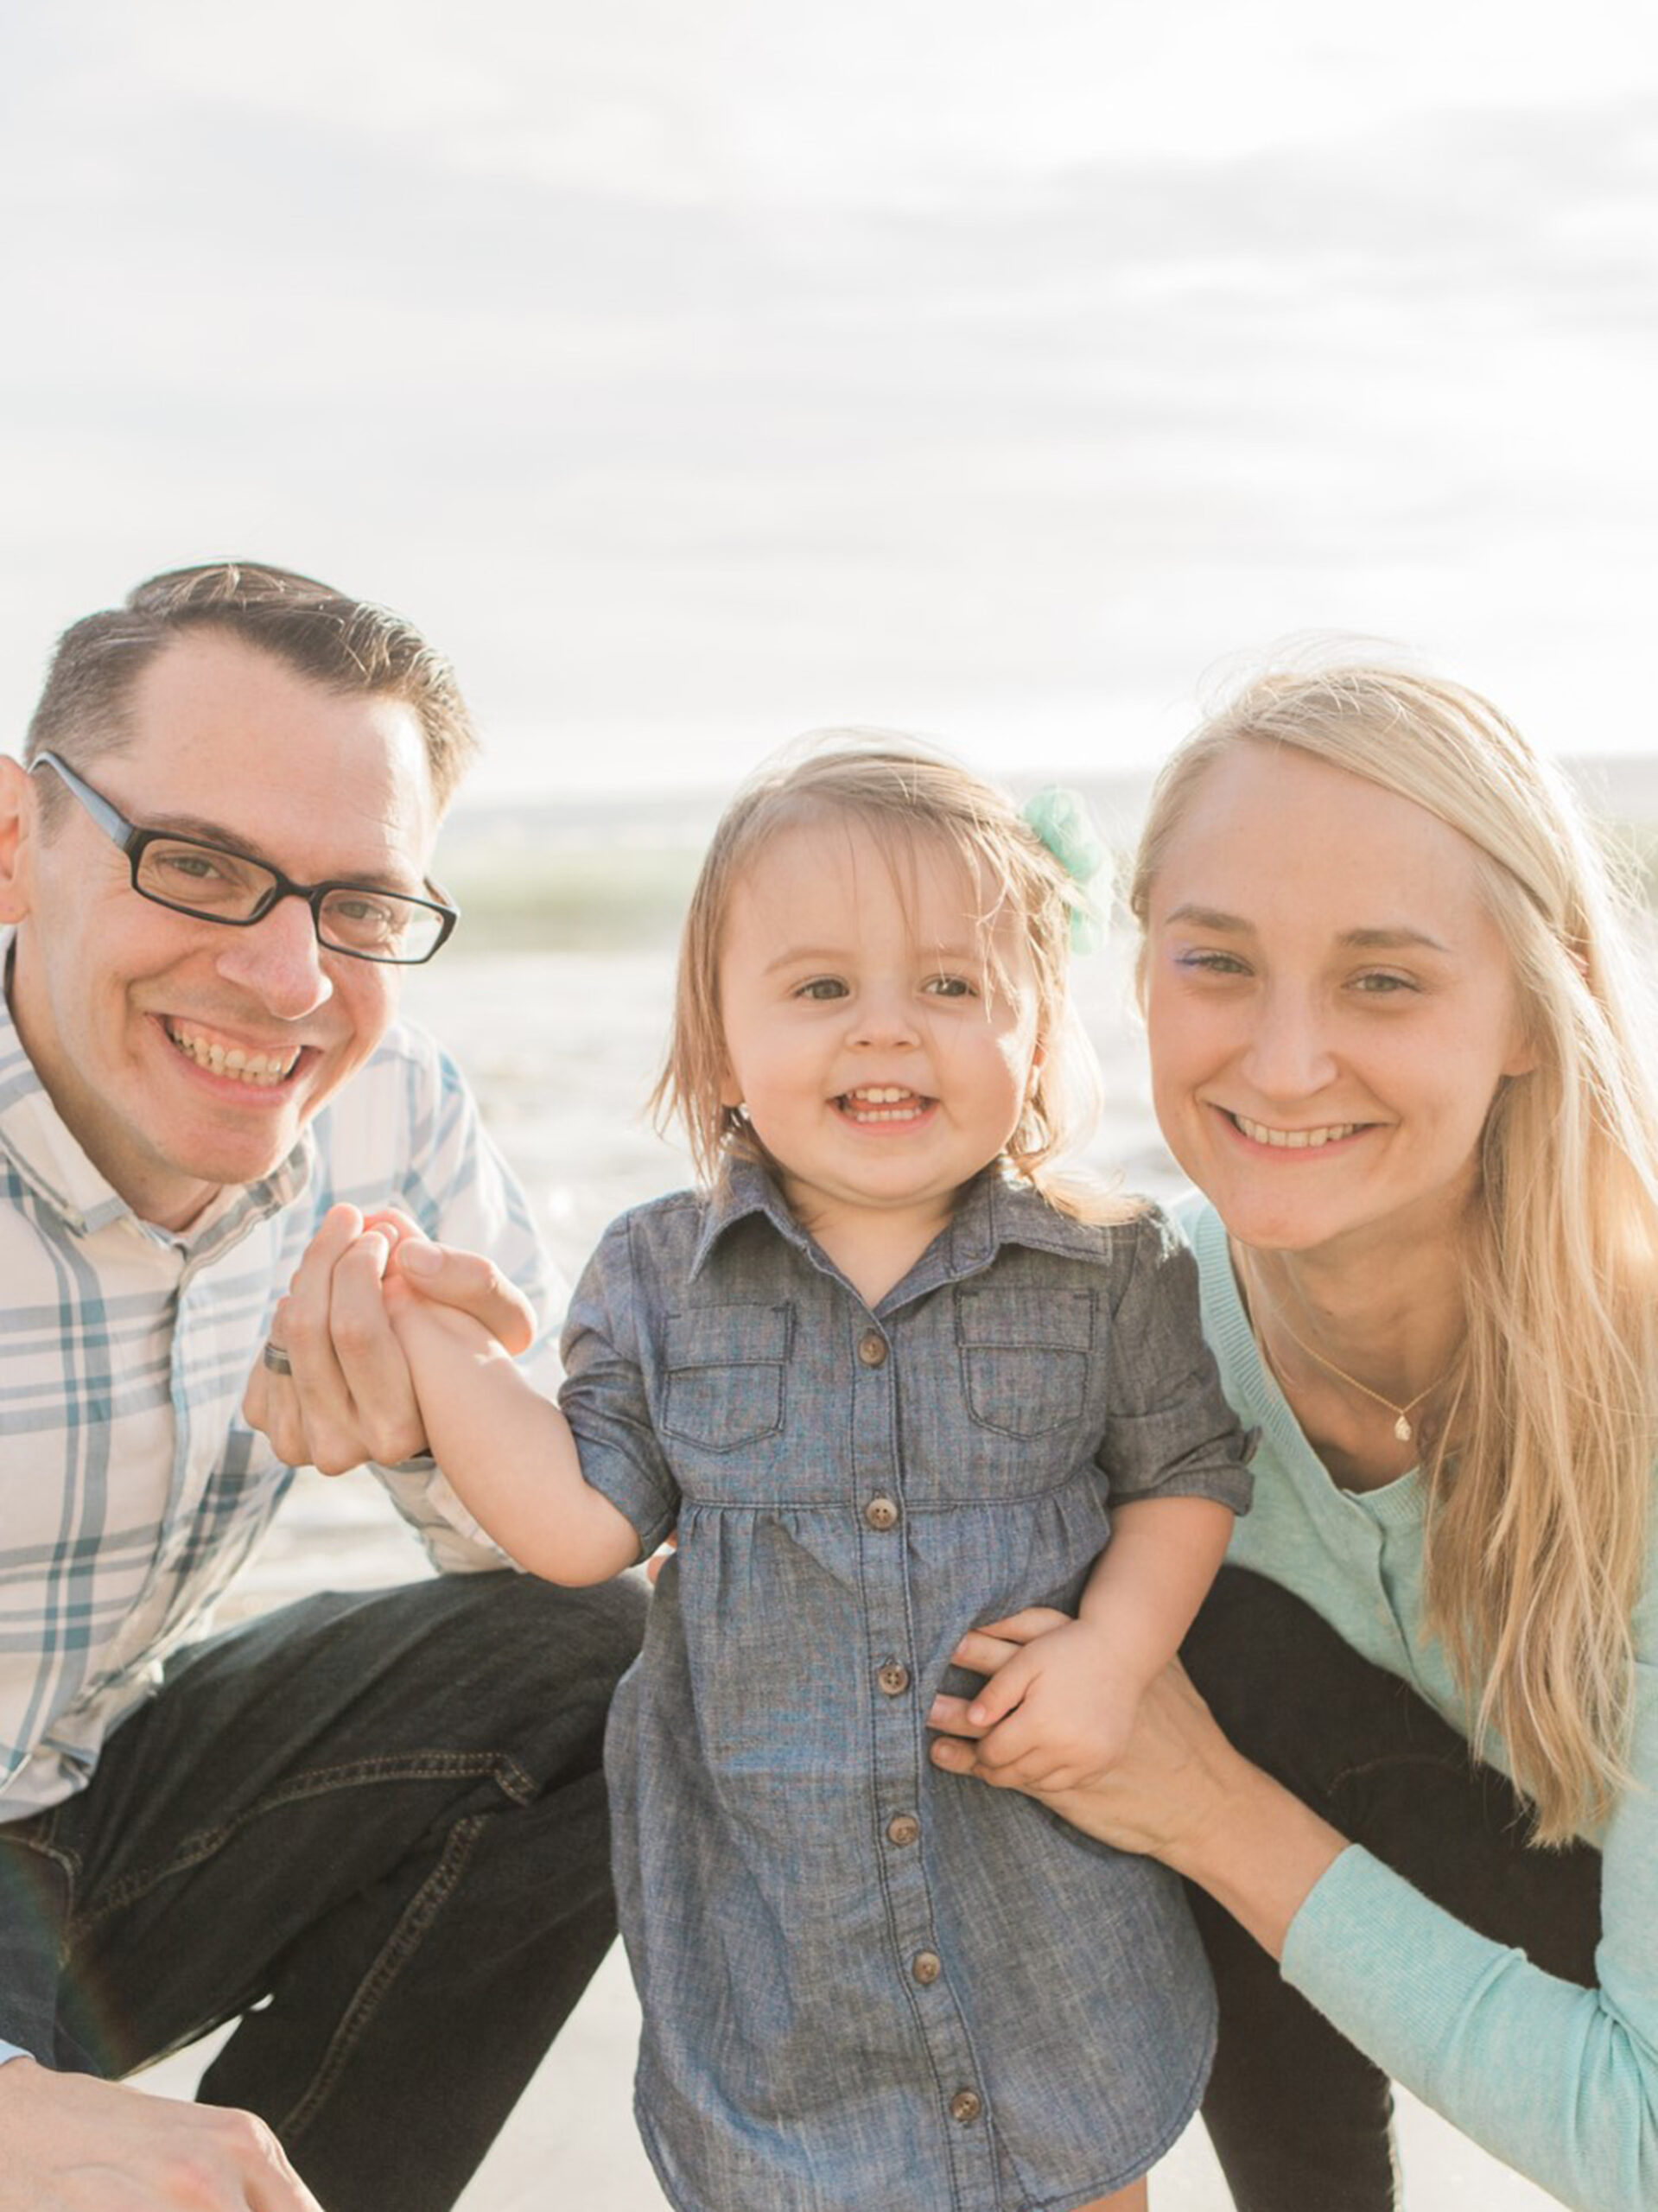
{"points": [[260, 1068]]}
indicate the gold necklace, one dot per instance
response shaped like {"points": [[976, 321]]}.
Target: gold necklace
{"points": [[1401, 1427]]}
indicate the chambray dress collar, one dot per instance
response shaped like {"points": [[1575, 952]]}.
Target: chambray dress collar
{"points": [[49, 1160], [993, 1210]]}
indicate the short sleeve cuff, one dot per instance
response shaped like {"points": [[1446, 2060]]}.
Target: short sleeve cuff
{"points": [[1227, 1482], [1229, 1485], [630, 1490]]}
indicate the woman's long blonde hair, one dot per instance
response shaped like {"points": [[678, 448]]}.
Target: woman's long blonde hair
{"points": [[1541, 1480], [901, 793]]}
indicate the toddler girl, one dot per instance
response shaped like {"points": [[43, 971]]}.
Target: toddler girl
{"points": [[887, 1384]]}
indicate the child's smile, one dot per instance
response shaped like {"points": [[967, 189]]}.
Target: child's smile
{"points": [[885, 1106], [880, 1039]]}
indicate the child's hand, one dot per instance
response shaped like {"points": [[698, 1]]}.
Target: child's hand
{"points": [[462, 1282], [420, 1323], [1058, 1713]]}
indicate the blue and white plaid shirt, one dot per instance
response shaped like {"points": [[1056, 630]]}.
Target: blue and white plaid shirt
{"points": [[130, 1489]]}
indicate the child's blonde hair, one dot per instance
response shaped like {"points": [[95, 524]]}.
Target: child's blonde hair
{"points": [[900, 792], [1540, 1484]]}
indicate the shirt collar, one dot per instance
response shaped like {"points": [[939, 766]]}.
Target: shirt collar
{"points": [[743, 1187], [49, 1159], [997, 1210], [993, 1211]]}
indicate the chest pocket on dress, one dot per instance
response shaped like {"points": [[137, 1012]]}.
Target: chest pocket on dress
{"points": [[1025, 1357], [724, 1368]]}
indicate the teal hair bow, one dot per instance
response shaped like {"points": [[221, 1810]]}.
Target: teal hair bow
{"points": [[1061, 820]]}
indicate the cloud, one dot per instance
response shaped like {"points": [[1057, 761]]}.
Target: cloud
{"points": [[720, 371]]}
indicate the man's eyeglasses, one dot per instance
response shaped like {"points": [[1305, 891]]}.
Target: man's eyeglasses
{"points": [[216, 885]]}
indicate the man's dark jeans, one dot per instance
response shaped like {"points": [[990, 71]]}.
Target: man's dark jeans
{"points": [[374, 1826], [1300, 2120]]}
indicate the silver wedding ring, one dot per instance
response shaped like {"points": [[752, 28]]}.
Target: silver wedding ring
{"points": [[275, 1358]]}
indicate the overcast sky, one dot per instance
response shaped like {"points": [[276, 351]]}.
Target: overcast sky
{"points": [[697, 372]]}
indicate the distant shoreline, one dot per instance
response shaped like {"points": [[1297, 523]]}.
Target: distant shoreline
{"points": [[589, 873]]}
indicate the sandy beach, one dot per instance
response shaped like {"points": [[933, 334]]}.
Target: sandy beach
{"points": [[571, 2141]]}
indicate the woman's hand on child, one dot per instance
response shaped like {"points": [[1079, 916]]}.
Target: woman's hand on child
{"points": [[349, 1396], [1170, 1793], [1058, 1711]]}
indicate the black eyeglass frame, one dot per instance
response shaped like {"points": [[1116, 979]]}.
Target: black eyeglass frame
{"points": [[135, 842]]}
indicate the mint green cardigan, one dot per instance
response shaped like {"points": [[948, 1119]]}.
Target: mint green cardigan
{"points": [[1559, 2082]]}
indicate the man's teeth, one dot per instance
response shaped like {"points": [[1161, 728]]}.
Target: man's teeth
{"points": [[1292, 1140], [877, 1101], [261, 1069]]}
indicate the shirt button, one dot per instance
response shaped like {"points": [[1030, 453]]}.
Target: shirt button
{"points": [[893, 1678], [966, 2105], [903, 1828], [926, 1967], [881, 1513], [872, 1347]]}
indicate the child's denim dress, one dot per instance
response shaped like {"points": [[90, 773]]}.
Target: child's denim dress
{"points": [[866, 1983]]}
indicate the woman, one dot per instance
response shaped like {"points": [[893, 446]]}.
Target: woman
{"points": [[1395, 1046]]}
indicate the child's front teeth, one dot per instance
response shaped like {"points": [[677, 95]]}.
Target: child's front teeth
{"points": [[877, 1103]]}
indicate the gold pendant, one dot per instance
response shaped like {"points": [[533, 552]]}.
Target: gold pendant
{"points": [[1401, 1429]]}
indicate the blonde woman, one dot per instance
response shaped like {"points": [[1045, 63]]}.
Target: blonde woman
{"points": [[1396, 1047]]}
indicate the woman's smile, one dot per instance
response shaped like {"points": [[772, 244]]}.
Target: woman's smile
{"points": [[1298, 1139]]}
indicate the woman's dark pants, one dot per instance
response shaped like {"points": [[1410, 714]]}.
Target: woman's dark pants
{"points": [[374, 1826], [1300, 2120]]}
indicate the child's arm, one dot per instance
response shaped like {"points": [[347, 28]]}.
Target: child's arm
{"points": [[507, 1451], [1059, 1713]]}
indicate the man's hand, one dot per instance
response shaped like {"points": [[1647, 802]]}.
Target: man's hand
{"points": [[1057, 1713], [73, 2144], [350, 1397]]}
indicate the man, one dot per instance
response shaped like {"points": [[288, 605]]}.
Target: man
{"points": [[371, 1827]]}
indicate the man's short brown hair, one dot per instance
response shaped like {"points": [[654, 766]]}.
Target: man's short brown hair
{"points": [[345, 645]]}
